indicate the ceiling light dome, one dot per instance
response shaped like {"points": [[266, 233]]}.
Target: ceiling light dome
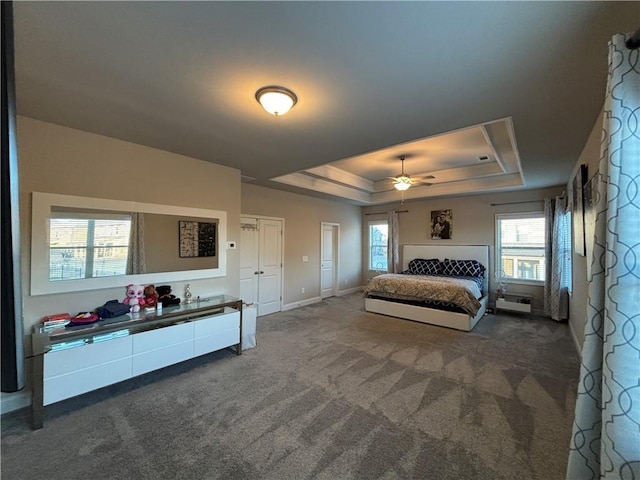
{"points": [[276, 100]]}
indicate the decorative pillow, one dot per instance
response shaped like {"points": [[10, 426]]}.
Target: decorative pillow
{"points": [[422, 266], [463, 268]]}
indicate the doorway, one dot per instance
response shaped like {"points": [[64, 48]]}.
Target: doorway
{"points": [[329, 259], [261, 262]]}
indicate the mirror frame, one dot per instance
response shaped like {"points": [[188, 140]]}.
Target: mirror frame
{"points": [[41, 212]]}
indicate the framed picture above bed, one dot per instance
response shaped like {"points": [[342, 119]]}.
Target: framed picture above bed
{"points": [[441, 224]]}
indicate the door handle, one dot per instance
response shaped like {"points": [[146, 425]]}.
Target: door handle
{"points": [[261, 272], [256, 273]]}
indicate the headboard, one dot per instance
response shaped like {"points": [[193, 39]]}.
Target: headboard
{"points": [[453, 252]]}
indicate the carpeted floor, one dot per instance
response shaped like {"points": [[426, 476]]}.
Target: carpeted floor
{"points": [[330, 392]]}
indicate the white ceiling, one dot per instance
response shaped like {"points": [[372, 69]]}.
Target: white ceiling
{"points": [[475, 159], [440, 82]]}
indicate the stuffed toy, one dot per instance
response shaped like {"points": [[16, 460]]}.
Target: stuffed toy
{"points": [[165, 297], [150, 296], [135, 297]]}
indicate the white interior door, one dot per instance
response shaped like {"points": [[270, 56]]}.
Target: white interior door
{"points": [[270, 266], [249, 259], [328, 261]]}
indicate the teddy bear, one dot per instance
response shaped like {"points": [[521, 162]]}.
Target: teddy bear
{"points": [[150, 296], [135, 297], [165, 297]]}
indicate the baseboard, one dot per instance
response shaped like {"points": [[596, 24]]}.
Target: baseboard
{"points": [[302, 303], [349, 290], [10, 402], [575, 340]]}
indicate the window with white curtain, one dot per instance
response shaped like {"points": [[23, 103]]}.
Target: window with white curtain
{"points": [[520, 247], [378, 235], [567, 268]]}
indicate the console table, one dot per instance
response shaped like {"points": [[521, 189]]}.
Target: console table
{"points": [[74, 360]]}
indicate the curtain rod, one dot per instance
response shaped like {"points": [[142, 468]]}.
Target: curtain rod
{"points": [[382, 213], [515, 203], [526, 201]]}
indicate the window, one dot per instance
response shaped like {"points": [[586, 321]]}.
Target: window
{"points": [[520, 244], [378, 232], [82, 247]]}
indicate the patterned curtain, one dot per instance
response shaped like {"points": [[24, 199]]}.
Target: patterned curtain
{"points": [[136, 261], [558, 259], [393, 243], [606, 430]]}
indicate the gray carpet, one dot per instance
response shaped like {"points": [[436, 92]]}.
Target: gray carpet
{"points": [[330, 392]]}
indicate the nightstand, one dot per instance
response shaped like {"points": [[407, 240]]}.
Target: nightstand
{"points": [[515, 302]]}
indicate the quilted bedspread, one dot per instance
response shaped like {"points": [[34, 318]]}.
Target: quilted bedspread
{"points": [[457, 291]]}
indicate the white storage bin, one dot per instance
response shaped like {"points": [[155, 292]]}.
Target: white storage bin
{"points": [[249, 314]]}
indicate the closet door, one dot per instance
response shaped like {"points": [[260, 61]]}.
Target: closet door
{"points": [[328, 260], [249, 260], [270, 261]]}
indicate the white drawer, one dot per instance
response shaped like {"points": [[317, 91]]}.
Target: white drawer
{"points": [[86, 356], [82, 381], [162, 337], [211, 343], [217, 324], [162, 357]]}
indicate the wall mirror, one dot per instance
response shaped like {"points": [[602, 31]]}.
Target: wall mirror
{"points": [[81, 243]]}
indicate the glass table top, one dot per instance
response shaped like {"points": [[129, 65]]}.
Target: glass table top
{"points": [[63, 337]]}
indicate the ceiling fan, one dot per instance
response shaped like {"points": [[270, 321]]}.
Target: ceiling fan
{"points": [[403, 181]]}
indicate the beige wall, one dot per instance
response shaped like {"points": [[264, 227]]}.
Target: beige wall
{"points": [[473, 224], [590, 157], [303, 216], [56, 159], [161, 245]]}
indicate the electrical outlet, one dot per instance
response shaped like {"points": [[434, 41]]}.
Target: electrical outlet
{"points": [[302, 290]]}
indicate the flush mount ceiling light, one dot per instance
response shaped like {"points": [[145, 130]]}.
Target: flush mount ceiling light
{"points": [[276, 100]]}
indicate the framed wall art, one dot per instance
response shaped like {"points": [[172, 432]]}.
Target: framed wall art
{"points": [[197, 239], [590, 195], [577, 213], [441, 224]]}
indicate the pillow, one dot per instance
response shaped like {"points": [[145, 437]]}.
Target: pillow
{"points": [[463, 268], [421, 266]]}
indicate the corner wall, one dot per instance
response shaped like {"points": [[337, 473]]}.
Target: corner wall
{"points": [[303, 216], [590, 157]]}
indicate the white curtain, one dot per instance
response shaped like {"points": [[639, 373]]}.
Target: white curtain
{"points": [[558, 259], [606, 431], [136, 260], [393, 243]]}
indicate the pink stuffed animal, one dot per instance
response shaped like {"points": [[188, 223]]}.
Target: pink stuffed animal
{"points": [[135, 297]]}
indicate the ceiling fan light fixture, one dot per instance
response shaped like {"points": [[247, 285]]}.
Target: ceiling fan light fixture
{"points": [[276, 100], [402, 182]]}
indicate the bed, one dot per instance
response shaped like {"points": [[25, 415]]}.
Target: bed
{"points": [[434, 297]]}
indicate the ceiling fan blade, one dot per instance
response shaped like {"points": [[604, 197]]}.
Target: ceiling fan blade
{"points": [[426, 184]]}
